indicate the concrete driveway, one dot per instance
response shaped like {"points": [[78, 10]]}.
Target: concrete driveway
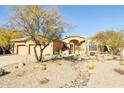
{"points": [[10, 59]]}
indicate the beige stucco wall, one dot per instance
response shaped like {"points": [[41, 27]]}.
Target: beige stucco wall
{"points": [[48, 50], [82, 47], [30, 43]]}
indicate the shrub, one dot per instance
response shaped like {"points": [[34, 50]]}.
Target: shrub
{"points": [[121, 62], [42, 67], [15, 66], [90, 66], [92, 53]]}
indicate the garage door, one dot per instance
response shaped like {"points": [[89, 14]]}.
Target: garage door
{"points": [[22, 50], [31, 50]]}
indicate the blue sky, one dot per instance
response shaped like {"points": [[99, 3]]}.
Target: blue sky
{"points": [[84, 20]]}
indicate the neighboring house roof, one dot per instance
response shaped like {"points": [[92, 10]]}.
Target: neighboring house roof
{"points": [[21, 39], [25, 38], [73, 37]]}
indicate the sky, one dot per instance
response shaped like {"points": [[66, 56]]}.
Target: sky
{"points": [[84, 20]]}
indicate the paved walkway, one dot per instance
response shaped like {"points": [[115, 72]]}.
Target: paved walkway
{"points": [[104, 76], [10, 59]]}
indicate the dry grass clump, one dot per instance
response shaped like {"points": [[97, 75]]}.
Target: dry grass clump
{"points": [[120, 71]]}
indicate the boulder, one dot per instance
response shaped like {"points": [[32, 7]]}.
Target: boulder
{"points": [[44, 80], [2, 72], [20, 73], [120, 71]]}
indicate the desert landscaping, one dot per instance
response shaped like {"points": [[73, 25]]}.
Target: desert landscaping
{"points": [[69, 72], [41, 48]]}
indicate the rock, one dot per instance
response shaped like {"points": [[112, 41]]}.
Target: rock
{"points": [[44, 81], [2, 72], [20, 65], [79, 59], [120, 71], [20, 73], [81, 80]]}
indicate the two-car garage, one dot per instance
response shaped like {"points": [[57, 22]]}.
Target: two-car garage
{"points": [[24, 46], [23, 49]]}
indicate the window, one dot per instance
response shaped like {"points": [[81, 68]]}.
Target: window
{"points": [[92, 46]]}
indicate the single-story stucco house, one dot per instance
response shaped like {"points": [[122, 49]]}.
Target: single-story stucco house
{"points": [[25, 46], [75, 45]]}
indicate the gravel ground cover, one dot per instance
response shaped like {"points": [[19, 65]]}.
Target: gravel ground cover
{"points": [[63, 74], [104, 76], [57, 74]]}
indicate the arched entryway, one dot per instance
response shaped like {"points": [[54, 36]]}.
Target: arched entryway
{"points": [[74, 46]]}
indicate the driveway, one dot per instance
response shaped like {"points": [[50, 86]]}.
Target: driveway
{"points": [[104, 76], [10, 59]]}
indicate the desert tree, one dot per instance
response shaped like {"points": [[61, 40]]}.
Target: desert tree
{"points": [[110, 38], [41, 24], [5, 38]]}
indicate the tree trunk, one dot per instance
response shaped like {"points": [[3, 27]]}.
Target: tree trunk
{"points": [[38, 58], [35, 52], [41, 55], [3, 50]]}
